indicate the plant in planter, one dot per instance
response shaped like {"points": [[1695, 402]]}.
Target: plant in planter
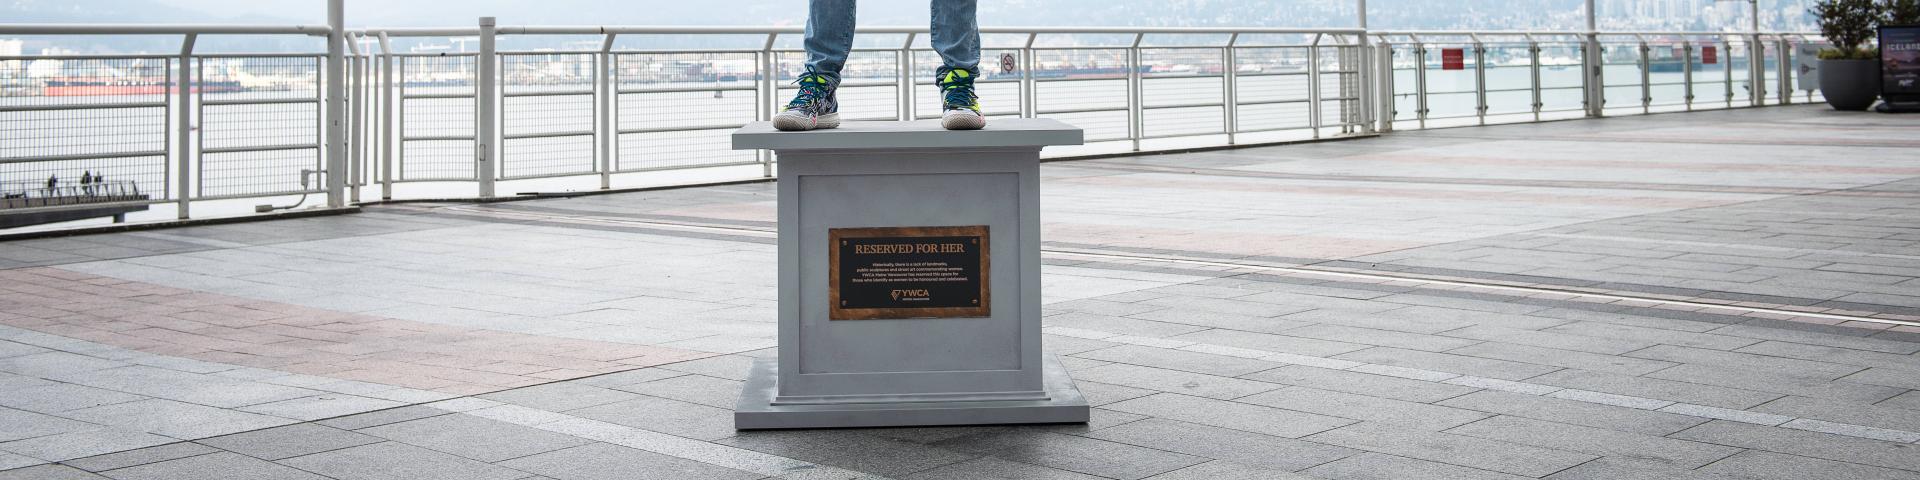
{"points": [[1901, 12], [1849, 74]]}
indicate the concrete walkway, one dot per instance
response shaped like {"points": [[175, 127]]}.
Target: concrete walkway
{"points": [[1706, 295]]}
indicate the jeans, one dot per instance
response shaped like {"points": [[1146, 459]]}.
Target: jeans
{"points": [[956, 35]]}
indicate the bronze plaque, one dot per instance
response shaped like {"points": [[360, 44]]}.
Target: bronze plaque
{"points": [[907, 272]]}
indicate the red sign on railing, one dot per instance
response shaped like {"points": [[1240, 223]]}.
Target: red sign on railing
{"points": [[1453, 59], [1709, 55]]}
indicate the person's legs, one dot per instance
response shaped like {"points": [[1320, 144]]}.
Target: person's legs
{"points": [[829, 35], [956, 36], [829, 38]]}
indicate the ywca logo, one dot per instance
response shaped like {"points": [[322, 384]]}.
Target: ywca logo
{"points": [[914, 294]]}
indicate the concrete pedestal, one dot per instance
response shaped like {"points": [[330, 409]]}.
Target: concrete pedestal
{"points": [[909, 279]]}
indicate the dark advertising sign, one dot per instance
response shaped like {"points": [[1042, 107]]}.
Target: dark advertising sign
{"points": [[908, 272], [1900, 62]]}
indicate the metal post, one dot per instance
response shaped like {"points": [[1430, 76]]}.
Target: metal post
{"points": [[1757, 72], [183, 82], [904, 78], [1229, 89], [336, 103], [609, 102], [357, 111], [1313, 86], [1480, 81], [1785, 83], [1136, 123], [768, 104], [1646, 79], [1726, 66], [1533, 69], [1383, 57], [488, 150], [1028, 89], [1420, 83], [1594, 67], [1686, 68], [1366, 71], [387, 126]]}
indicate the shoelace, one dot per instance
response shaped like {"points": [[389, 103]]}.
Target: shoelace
{"points": [[814, 89], [958, 86]]}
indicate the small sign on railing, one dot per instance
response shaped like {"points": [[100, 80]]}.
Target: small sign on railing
{"points": [[1709, 55], [1453, 59]]}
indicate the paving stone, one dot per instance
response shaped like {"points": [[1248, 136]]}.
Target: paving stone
{"points": [[1909, 400], [1891, 377], [886, 457], [176, 419], [731, 367], [1553, 340], [1245, 448], [289, 441], [1653, 335], [1077, 454], [140, 456], [1237, 416], [1225, 470], [1619, 468], [474, 437], [1777, 383], [9, 461], [1806, 443], [1180, 360], [217, 466], [1456, 364], [1376, 466], [1835, 355], [600, 461], [1361, 383], [1562, 358], [701, 389], [54, 364], [321, 406], [1844, 412], [1747, 361], [1578, 413], [1160, 379], [187, 387], [1454, 449], [1695, 393], [1852, 430], [1718, 413], [1271, 343], [23, 424], [61, 397], [1361, 407], [560, 397], [382, 417], [1204, 318], [85, 443], [1596, 441], [1098, 394], [663, 415], [1754, 464], [1233, 306], [48, 472], [1119, 325], [1603, 398], [1383, 338], [629, 377], [1822, 339], [398, 461], [1404, 319], [995, 468]]}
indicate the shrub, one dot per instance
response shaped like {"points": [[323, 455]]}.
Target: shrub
{"points": [[1847, 24], [1900, 12]]}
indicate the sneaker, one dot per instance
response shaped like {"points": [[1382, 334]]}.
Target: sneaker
{"points": [[962, 107], [814, 107]]}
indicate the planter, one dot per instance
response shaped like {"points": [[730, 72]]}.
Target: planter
{"points": [[1850, 85]]}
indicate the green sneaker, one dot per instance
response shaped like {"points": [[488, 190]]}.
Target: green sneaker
{"points": [[961, 105]]}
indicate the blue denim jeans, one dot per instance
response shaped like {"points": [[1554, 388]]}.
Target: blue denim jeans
{"points": [[956, 35]]}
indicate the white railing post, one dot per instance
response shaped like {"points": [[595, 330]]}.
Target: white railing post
{"points": [[770, 104], [1136, 111], [187, 152], [1480, 81], [1785, 82], [1757, 71], [1229, 89], [1646, 78], [1533, 71], [903, 61], [388, 120], [1726, 66], [1686, 69], [1420, 82], [356, 110], [1595, 80], [1313, 86], [487, 152], [1029, 106], [609, 104], [336, 104], [1383, 59]]}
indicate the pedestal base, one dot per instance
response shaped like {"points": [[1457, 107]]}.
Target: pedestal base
{"points": [[756, 410]]}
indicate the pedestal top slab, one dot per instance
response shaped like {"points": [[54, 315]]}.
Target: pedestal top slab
{"points": [[1000, 132]]}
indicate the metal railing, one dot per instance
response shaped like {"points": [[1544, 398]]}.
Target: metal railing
{"points": [[462, 125]]}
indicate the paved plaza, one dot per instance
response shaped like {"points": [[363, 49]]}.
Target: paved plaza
{"points": [[1715, 295]]}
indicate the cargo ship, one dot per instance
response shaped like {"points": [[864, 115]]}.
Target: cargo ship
{"points": [[70, 87]]}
